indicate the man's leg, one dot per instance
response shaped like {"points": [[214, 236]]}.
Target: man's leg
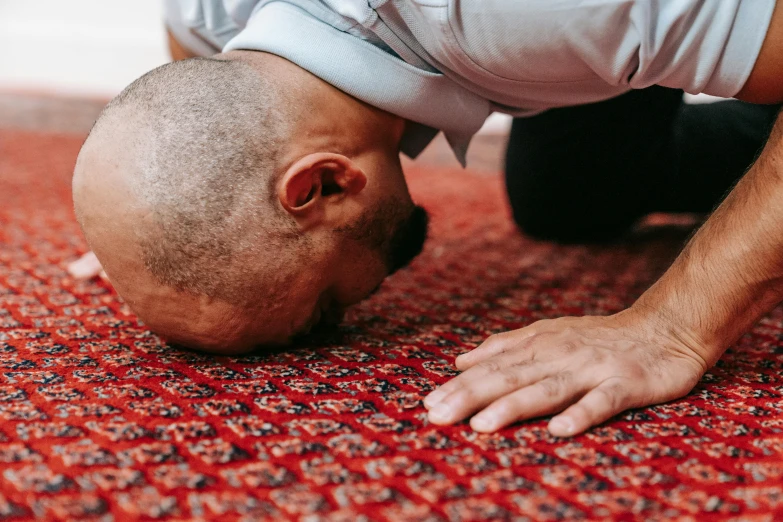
{"points": [[587, 173], [714, 144]]}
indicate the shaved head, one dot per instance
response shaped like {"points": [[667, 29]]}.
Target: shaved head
{"points": [[211, 139], [229, 200]]}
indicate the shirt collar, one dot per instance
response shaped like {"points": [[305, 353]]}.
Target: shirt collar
{"points": [[364, 71]]}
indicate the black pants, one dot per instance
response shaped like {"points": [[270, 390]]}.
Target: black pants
{"points": [[587, 173]]}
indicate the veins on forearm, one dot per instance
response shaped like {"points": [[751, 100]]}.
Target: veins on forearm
{"points": [[731, 272]]}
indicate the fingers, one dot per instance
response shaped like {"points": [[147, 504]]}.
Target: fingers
{"points": [[481, 369], [542, 398], [589, 366], [460, 381], [498, 344], [459, 399], [85, 267], [598, 405]]}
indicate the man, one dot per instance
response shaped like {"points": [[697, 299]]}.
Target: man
{"points": [[241, 199]]}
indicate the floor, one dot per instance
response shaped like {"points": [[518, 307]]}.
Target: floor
{"points": [[101, 420]]}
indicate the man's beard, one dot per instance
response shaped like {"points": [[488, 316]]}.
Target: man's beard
{"points": [[393, 231]]}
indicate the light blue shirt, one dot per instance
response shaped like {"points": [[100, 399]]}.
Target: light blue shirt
{"points": [[448, 64]]}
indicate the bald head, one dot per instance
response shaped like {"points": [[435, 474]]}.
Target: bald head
{"points": [[175, 185], [202, 192], [209, 135]]}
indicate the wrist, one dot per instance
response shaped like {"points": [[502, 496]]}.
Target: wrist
{"points": [[666, 319]]}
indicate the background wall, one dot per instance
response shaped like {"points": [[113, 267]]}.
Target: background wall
{"points": [[79, 47], [89, 47]]}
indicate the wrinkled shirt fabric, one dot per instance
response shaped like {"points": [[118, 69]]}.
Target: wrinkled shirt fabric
{"points": [[446, 65]]}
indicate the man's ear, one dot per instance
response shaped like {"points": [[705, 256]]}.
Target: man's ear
{"points": [[313, 179]]}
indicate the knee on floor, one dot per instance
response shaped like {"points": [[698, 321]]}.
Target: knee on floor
{"points": [[560, 225]]}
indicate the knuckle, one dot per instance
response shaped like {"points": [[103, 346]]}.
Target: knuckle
{"points": [[613, 395], [563, 377], [582, 413], [612, 400], [523, 362], [449, 388], [489, 366], [621, 396], [495, 343], [633, 372], [501, 337], [568, 347], [491, 340], [598, 357], [542, 324], [550, 387], [461, 397], [510, 378]]}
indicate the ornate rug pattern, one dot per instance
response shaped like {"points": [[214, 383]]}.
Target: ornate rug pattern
{"points": [[100, 420]]}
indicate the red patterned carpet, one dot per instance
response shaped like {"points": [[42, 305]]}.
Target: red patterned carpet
{"points": [[99, 419]]}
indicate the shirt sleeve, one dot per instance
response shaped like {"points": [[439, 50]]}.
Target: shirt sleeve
{"points": [[700, 46], [205, 26]]}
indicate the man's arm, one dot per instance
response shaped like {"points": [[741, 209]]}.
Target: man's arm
{"points": [[177, 50], [765, 83], [731, 272], [592, 368]]}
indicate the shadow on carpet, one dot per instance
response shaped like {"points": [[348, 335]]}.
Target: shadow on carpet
{"points": [[99, 419]]}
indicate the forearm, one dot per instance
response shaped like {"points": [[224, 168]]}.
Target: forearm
{"points": [[727, 277], [176, 49], [589, 369], [731, 272]]}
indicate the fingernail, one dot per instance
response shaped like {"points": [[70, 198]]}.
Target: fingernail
{"points": [[440, 413], [433, 398], [562, 425], [480, 423]]}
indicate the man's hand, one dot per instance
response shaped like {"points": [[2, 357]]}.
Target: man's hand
{"points": [[591, 367], [726, 278], [87, 267]]}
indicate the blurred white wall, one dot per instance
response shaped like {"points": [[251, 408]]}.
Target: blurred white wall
{"points": [[94, 47], [89, 47], [79, 47]]}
